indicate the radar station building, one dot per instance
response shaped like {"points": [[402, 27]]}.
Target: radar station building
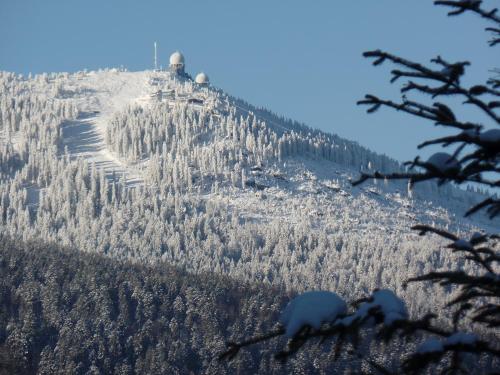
{"points": [[177, 64], [202, 79]]}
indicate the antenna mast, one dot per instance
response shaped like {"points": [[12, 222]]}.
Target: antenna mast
{"points": [[156, 61]]}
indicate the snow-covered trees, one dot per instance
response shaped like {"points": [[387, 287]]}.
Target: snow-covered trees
{"points": [[198, 206], [221, 187], [68, 312]]}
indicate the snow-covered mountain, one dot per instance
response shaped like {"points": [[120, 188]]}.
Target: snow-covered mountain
{"points": [[150, 166]]}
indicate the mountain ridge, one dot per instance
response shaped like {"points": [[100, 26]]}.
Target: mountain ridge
{"points": [[145, 166]]}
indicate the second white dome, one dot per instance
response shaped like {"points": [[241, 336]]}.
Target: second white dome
{"points": [[201, 78]]}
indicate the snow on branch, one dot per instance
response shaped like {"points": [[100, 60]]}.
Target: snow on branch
{"points": [[313, 309], [323, 315], [434, 350]]}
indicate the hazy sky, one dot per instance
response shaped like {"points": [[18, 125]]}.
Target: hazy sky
{"points": [[297, 58]]}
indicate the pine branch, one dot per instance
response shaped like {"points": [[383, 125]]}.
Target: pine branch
{"points": [[439, 113], [234, 348], [424, 229], [492, 205], [496, 36], [485, 283], [417, 362], [470, 5]]}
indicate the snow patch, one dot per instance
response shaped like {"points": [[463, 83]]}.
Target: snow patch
{"points": [[434, 345], [490, 136], [312, 308], [392, 307], [444, 162], [476, 236], [462, 244]]}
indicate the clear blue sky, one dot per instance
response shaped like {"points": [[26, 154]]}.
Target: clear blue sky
{"points": [[300, 59]]}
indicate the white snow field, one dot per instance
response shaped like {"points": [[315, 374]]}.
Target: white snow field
{"points": [[311, 308], [109, 93]]}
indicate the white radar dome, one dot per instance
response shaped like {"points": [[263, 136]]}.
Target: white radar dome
{"points": [[176, 58], [201, 78]]}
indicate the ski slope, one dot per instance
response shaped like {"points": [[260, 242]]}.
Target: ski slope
{"points": [[111, 92]]}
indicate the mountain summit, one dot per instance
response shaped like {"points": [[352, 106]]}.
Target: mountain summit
{"points": [[154, 166]]}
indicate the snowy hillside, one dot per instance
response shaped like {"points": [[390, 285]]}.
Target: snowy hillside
{"points": [[147, 166]]}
